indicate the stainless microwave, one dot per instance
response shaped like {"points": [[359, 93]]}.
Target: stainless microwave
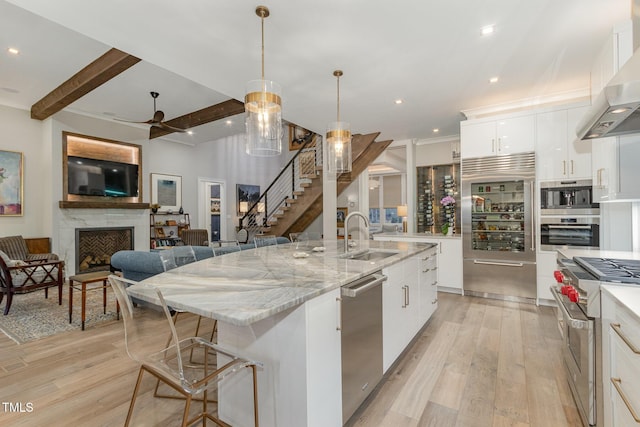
{"points": [[568, 198]]}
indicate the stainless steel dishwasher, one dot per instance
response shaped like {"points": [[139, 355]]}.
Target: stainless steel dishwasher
{"points": [[361, 325]]}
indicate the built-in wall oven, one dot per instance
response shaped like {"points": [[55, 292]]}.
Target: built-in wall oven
{"points": [[568, 216], [569, 231]]}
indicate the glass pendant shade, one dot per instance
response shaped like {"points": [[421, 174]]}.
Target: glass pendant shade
{"points": [[263, 110], [339, 147], [263, 118]]}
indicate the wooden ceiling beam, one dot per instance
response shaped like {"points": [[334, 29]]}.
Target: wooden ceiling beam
{"points": [[213, 113], [84, 81]]}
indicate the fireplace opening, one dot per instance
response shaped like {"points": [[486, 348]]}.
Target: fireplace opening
{"points": [[94, 247]]}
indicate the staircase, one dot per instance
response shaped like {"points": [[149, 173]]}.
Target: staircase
{"points": [[294, 199]]}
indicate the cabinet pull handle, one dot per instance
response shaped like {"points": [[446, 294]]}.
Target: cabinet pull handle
{"points": [[435, 283], [425, 271], [339, 303], [493, 145], [499, 145], [616, 383], [440, 246], [564, 167], [600, 178], [532, 188], [408, 301], [572, 167], [616, 327], [404, 297]]}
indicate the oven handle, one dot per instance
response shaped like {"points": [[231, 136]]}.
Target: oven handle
{"points": [[573, 227], [571, 321]]}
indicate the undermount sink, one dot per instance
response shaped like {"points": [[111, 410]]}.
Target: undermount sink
{"points": [[367, 255]]}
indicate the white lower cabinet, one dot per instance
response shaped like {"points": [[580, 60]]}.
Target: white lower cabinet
{"points": [[410, 285], [546, 264], [449, 257], [428, 285], [621, 355]]}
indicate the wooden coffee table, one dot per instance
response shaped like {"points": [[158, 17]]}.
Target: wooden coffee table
{"points": [[80, 282]]}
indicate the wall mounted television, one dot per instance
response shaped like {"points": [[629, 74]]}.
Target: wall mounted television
{"points": [[93, 177]]}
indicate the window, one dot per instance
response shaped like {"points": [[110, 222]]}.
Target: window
{"points": [[384, 199]]}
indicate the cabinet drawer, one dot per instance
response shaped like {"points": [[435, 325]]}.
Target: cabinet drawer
{"points": [[625, 374], [622, 417]]}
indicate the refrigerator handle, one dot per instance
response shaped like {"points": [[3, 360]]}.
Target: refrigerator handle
{"points": [[533, 216]]}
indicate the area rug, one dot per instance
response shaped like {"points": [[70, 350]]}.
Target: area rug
{"points": [[33, 317]]}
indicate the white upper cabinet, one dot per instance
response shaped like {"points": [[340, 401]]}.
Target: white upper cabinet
{"points": [[559, 153], [497, 137]]}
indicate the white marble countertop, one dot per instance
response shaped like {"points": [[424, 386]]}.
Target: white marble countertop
{"points": [[598, 253], [243, 287], [628, 296], [425, 236]]}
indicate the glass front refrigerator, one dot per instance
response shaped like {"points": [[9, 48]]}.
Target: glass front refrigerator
{"points": [[498, 227]]}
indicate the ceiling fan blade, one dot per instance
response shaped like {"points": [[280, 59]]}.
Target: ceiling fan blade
{"points": [[165, 126], [148, 122]]}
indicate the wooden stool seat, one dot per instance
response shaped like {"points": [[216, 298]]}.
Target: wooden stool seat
{"points": [[84, 279]]}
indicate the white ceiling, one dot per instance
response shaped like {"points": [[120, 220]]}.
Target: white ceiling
{"points": [[200, 52]]}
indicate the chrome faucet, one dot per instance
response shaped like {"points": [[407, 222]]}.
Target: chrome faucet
{"points": [[346, 228]]}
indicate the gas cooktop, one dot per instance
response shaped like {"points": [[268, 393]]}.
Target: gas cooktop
{"points": [[611, 270]]}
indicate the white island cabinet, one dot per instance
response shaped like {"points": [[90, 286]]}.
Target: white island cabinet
{"points": [[449, 259], [621, 355], [285, 312], [409, 298]]}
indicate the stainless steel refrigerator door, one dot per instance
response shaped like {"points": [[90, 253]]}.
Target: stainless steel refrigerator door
{"points": [[498, 225]]}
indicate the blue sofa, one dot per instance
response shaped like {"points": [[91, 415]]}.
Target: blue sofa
{"points": [[139, 265]]}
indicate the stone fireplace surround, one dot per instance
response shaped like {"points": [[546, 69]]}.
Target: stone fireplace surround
{"points": [[71, 219]]}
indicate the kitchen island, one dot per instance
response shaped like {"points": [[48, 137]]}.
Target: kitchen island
{"points": [[281, 306]]}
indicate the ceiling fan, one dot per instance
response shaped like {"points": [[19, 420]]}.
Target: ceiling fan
{"points": [[158, 116]]}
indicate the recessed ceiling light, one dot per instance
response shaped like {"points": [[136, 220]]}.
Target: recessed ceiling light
{"points": [[487, 30], [189, 132], [493, 80], [13, 51], [436, 130], [398, 101], [229, 122]]}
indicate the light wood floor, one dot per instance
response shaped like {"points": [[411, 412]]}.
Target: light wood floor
{"points": [[477, 363]]}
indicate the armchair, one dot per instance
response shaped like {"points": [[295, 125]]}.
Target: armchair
{"points": [[20, 276], [16, 248], [195, 237]]}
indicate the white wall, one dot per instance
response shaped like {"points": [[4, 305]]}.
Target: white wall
{"points": [[21, 133], [41, 143]]}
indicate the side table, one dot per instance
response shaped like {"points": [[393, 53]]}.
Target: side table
{"points": [[83, 280]]}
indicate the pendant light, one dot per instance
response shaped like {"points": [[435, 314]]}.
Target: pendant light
{"points": [[339, 140], [263, 110]]}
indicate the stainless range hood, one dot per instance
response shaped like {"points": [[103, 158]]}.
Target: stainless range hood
{"points": [[616, 110]]}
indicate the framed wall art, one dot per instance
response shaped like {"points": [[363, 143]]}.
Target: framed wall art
{"points": [[11, 183], [166, 190], [247, 195], [297, 137], [341, 216]]}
